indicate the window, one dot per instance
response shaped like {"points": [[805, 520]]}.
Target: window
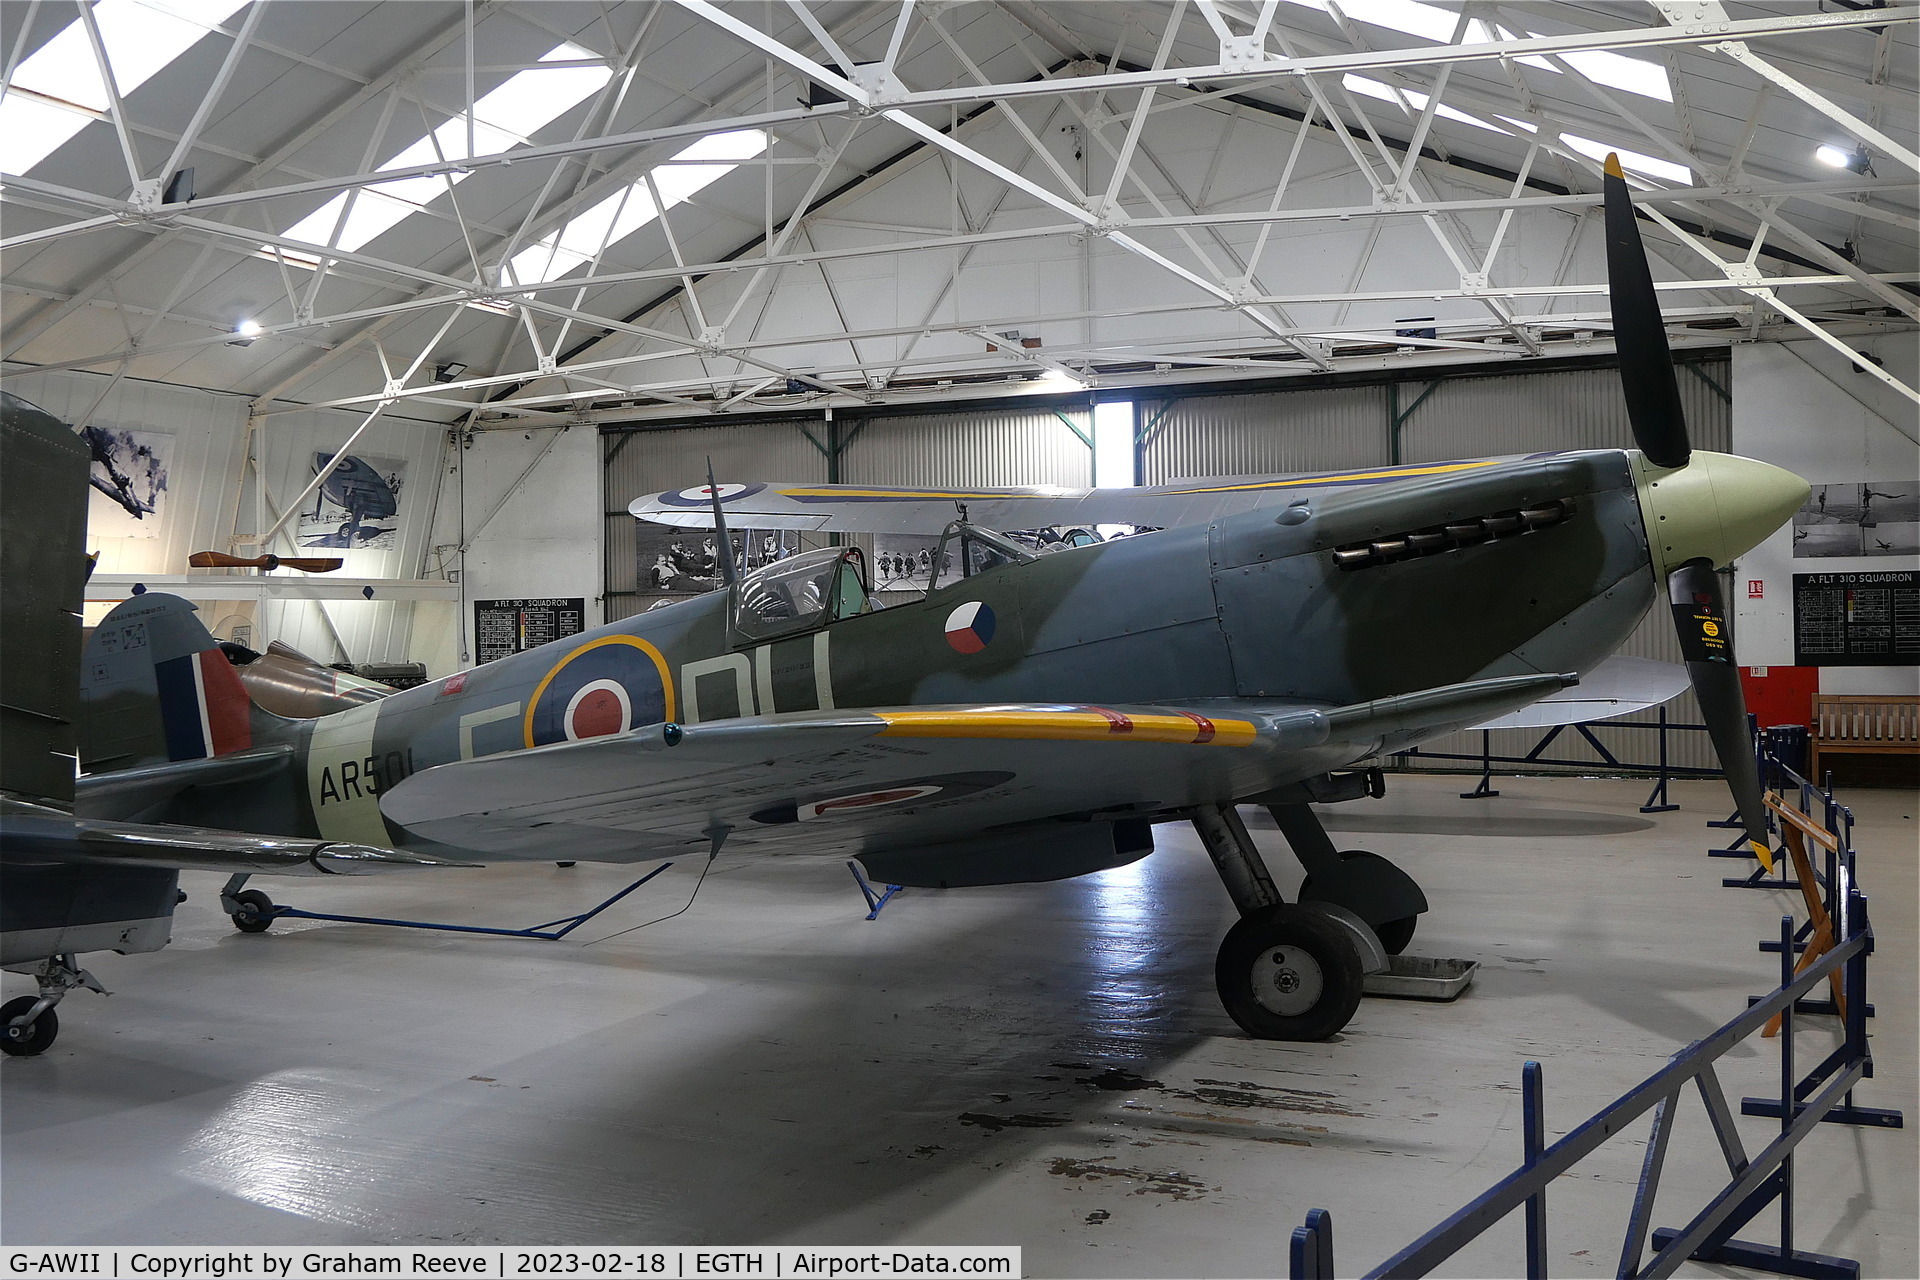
{"points": [[967, 552], [1418, 100], [686, 173], [504, 118], [57, 92], [800, 593], [1115, 463], [1430, 22]]}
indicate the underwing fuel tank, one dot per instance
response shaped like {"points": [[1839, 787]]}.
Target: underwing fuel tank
{"points": [[1718, 506]]}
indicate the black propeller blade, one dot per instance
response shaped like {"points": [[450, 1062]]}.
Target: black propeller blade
{"points": [[1700, 616], [1646, 365], [1660, 429]]}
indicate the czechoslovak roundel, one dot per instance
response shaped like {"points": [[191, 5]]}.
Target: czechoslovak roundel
{"points": [[970, 627]]}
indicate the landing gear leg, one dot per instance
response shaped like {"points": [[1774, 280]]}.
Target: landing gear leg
{"points": [[1283, 972], [28, 1025], [1381, 894]]}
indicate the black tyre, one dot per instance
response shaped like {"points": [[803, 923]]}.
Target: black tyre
{"points": [[1288, 973], [24, 1043], [256, 911], [1395, 935]]}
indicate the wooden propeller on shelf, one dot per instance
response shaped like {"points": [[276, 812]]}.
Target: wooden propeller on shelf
{"points": [[221, 560]]}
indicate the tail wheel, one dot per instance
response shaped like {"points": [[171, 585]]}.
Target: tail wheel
{"points": [[24, 1042], [1288, 973], [256, 911]]}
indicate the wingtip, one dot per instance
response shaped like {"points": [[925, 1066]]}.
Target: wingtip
{"points": [[1612, 167]]}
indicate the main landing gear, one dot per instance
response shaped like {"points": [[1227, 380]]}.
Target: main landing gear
{"points": [[28, 1024], [1295, 971]]}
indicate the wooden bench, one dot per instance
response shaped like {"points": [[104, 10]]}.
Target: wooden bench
{"points": [[1862, 723]]}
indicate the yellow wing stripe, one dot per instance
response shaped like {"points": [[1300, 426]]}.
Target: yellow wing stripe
{"points": [[1067, 726], [1391, 473]]}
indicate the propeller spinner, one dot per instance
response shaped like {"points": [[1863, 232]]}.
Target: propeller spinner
{"points": [[1702, 509]]}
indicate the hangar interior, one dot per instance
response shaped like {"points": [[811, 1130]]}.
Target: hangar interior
{"points": [[525, 262]]}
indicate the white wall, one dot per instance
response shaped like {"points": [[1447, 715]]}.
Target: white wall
{"points": [[1802, 406], [212, 494], [545, 541]]}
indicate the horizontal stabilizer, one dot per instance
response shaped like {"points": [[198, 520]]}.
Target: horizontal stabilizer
{"points": [[1617, 687], [130, 793], [35, 833]]}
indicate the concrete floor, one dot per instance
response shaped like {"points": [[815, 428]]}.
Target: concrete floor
{"points": [[1042, 1065]]}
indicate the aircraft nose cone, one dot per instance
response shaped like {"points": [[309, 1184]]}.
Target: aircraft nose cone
{"points": [[1716, 507]]}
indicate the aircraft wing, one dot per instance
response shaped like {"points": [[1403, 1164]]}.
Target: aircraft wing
{"points": [[852, 508], [32, 833], [1617, 687], [888, 778]]}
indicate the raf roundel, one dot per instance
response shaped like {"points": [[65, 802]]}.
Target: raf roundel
{"points": [[703, 496], [970, 627], [604, 687]]}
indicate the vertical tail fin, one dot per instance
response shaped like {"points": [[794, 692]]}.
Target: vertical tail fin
{"points": [[154, 686]]}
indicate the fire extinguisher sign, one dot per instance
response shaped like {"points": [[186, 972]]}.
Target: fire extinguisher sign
{"points": [[1756, 589]]}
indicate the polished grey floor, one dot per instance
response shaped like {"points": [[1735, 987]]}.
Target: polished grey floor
{"points": [[1043, 1065]]}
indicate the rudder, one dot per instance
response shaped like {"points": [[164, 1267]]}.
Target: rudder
{"points": [[155, 686]]}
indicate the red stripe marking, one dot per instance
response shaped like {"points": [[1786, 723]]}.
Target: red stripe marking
{"points": [[1117, 723], [1205, 726], [229, 726]]}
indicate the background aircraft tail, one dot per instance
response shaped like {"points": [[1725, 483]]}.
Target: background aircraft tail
{"points": [[155, 687]]}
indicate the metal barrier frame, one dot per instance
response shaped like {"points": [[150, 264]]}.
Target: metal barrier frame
{"points": [[1662, 771], [1825, 1094]]}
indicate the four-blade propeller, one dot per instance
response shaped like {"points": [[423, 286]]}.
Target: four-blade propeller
{"points": [[1660, 429]]}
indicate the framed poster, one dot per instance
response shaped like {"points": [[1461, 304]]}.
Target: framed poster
{"points": [[1856, 619], [502, 627], [128, 475]]}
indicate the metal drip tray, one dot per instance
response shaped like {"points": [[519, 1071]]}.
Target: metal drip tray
{"points": [[1421, 978]]}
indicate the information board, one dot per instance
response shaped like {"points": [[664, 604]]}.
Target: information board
{"points": [[1856, 619], [501, 627]]}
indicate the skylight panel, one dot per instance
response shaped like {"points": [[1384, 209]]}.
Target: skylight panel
{"points": [[678, 179], [1384, 92], [57, 92], [504, 118], [1633, 161], [1616, 72], [1430, 22]]}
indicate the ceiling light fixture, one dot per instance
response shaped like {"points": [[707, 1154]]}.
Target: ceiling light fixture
{"points": [[449, 371], [244, 333], [1839, 158]]}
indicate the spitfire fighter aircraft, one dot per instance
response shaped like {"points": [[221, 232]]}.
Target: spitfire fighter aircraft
{"points": [[1033, 716]]}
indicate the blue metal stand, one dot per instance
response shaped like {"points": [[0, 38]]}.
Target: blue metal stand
{"points": [[876, 902], [543, 932], [1657, 801], [1754, 1182], [1484, 788]]}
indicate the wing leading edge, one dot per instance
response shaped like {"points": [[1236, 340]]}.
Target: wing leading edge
{"points": [[850, 508], [886, 778]]}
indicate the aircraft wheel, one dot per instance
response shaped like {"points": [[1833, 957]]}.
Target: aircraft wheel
{"points": [[24, 1042], [256, 911], [1395, 935], [1288, 973], [563, 864]]}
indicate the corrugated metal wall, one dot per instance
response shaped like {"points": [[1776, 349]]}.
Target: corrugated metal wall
{"points": [[1228, 435], [985, 448], [1218, 434]]}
